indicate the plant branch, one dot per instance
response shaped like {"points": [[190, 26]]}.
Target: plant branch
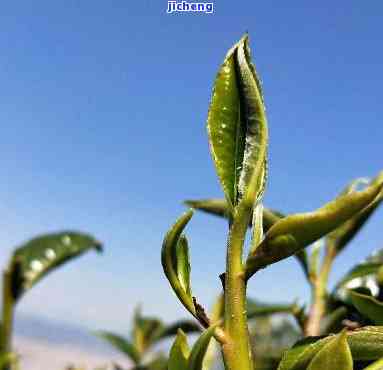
{"points": [[236, 350], [319, 294]]}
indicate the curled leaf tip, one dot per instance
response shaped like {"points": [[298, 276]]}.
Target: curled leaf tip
{"points": [[175, 261]]}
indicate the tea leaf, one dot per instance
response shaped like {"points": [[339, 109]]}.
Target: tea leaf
{"points": [[183, 265], [342, 235], [199, 349], [334, 355], [295, 232], [366, 344], [185, 325], [145, 331], [121, 344], [253, 176], [36, 258], [369, 267], [175, 262], [378, 365], [332, 323], [368, 306], [179, 353], [237, 127], [219, 207], [160, 362], [226, 127], [257, 309]]}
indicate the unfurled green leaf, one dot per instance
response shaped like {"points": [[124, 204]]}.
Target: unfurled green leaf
{"points": [[227, 127], [122, 344], [256, 309], [366, 344], [332, 323], [335, 354], [237, 127], [179, 353], [295, 232], [36, 258], [146, 331], [185, 325], [160, 362], [368, 306], [214, 206], [199, 349], [219, 207], [369, 267], [342, 235], [175, 263]]}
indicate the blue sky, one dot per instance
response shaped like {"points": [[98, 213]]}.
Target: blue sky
{"points": [[103, 109]]}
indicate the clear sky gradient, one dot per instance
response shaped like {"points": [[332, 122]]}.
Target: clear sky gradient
{"points": [[103, 109]]}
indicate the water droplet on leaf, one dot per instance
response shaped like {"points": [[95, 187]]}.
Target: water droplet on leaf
{"points": [[50, 254], [66, 240], [36, 266]]}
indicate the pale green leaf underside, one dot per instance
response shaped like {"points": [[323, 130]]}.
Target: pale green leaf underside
{"points": [[254, 172]]}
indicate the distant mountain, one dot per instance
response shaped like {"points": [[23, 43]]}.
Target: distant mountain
{"points": [[56, 333]]}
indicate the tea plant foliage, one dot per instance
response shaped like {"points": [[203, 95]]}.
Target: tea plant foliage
{"points": [[29, 263], [238, 138], [36, 258], [146, 332]]}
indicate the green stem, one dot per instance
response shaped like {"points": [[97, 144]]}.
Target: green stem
{"points": [[7, 318], [319, 295], [377, 365], [236, 349]]}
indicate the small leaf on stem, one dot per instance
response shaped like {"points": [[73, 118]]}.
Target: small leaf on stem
{"points": [[179, 352], [296, 232]]}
